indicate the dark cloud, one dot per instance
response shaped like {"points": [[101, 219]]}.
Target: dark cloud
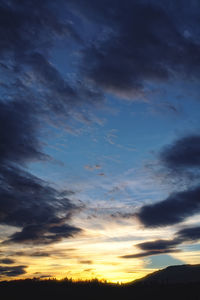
{"points": [[148, 253], [87, 262], [31, 204], [18, 141], [27, 202], [43, 276], [157, 247], [25, 54], [184, 153], [189, 234], [12, 271], [39, 254], [172, 210], [143, 41], [43, 233], [179, 163], [32, 89], [129, 53], [55, 86], [27, 25], [7, 261]]}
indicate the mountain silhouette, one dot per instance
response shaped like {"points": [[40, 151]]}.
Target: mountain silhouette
{"points": [[173, 274]]}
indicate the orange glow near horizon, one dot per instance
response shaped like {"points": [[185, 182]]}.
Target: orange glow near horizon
{"points": [[96, 254]]}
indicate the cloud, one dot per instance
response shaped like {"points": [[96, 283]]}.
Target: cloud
{"points": [[179, 163], [189, 234], [92, 168], [183, 153], [29, 203], [143, 41], [19, 143], [34, 26], [43, 276], [45, 234], [172, 210], [130, 53], [32, 89], [12, 271], [7, 261], [148, 253], [86, 262], [39, 254], [25, 54], [157, 247], [26, 201]]}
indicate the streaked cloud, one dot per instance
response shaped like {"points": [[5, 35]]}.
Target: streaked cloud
{"points": [[12, 271]]}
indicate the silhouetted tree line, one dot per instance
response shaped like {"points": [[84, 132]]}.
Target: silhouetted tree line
{"points": [[94, 289]]}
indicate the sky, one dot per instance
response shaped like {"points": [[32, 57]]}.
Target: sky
{"points": [[99, 138]]}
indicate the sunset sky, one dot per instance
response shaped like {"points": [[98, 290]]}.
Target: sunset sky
{"points": [[99, 137]]}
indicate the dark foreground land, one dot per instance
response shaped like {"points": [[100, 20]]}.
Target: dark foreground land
{"points": [[52, 289], [177, 282]]}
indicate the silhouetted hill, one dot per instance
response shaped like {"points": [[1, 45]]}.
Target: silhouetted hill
{"points": [[160, 285], [173, 274]]}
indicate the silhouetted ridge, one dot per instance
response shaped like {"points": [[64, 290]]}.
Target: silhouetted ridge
{"points": [[173, 274]]}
